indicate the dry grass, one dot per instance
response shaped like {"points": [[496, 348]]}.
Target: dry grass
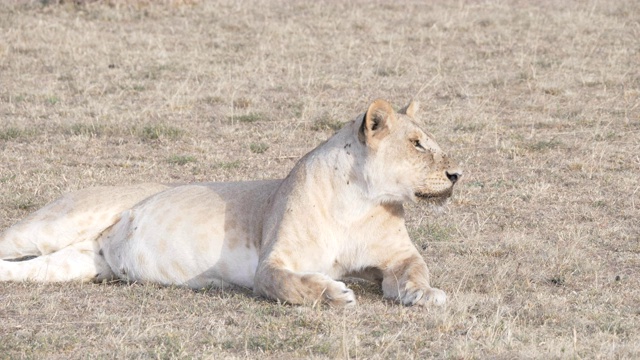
{"points": [[539, 249]]}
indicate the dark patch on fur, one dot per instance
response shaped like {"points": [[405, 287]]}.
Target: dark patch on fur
{"points": [[24, 258]]}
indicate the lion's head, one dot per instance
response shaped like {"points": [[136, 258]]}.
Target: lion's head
{"points": [[404, 163]]}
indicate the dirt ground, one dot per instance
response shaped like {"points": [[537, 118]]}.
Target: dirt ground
{"points": [[538, 250]]}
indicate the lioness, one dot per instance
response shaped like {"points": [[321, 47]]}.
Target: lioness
{"points": [[337, 214]]}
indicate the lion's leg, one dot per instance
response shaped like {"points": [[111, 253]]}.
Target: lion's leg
{"points": [[406, 279], [71, 219], [43, 232], [301, 288], [13, 245], [80, 261]]}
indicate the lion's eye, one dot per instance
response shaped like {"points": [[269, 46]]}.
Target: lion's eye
{"points": [[418, 146]]}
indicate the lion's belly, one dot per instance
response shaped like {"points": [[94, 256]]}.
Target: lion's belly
{"points": [[196, 236]]}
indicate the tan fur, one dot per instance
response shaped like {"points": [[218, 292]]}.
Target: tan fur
{"points": [[338, 213]]}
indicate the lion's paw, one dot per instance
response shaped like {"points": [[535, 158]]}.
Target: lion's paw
{"points": [[339, 295], [435, 296], [416, 296]]}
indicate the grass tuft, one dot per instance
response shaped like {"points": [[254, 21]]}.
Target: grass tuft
{"points": [[10, 133], [21, 134], [389, 71], [258, 148], [160, 131], [87, 129], [241, 103], [325, 123], [25, 204], [427, 234], [558, 280], [181, 159], [52, 100], [545, 145], [248, 118], [227, 165]]}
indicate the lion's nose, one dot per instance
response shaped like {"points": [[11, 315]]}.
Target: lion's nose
{"points": [[453, 176]]}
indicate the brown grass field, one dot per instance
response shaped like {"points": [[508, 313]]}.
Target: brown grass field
{"points": [[538, 250]]}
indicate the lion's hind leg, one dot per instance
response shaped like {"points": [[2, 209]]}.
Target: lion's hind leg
{"points": [[25, 240], [73, 218], [68, 220], [81, 262]]}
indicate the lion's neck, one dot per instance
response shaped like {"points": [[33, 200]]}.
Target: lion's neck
{"points": [[333, 174]]}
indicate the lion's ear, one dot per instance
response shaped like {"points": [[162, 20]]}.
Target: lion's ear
{"points": [[411, 110], [377, 122]]}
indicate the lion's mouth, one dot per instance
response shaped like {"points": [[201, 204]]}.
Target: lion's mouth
{"points": [[439, 196]]}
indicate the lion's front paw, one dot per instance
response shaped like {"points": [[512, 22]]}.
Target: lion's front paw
{"points": [[435, 296], [417, 296], [338, 294]]}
